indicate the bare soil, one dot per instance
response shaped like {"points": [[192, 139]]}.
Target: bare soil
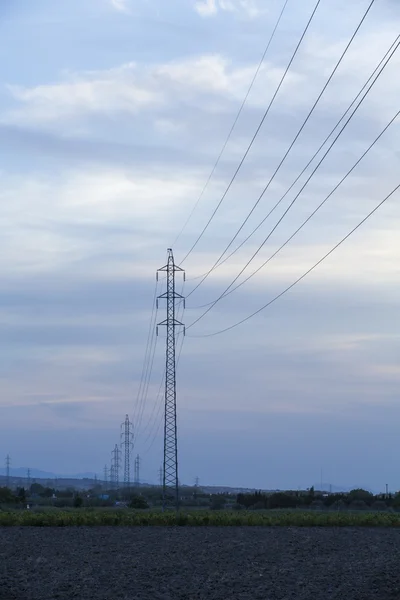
{"points": [[227, 563]]}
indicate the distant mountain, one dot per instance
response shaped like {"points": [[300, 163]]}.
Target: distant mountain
{"points": [[39, 474], [23, 472]]}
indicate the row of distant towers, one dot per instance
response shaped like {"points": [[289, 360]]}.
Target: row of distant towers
{"points": [[121, 455], [8, 473]]}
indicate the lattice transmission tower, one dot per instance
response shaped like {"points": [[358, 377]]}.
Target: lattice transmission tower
{"points": [[127, 447], [105, 475], [137, 471], [8, 463], [170, 467], [115, 465]]}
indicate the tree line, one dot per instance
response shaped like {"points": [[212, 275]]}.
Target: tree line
{"points": [[355, 499]]}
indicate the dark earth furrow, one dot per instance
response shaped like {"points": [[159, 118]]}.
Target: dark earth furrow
{"points": [[246, 563]]}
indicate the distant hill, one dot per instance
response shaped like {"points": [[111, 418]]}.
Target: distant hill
{"points": [[39, 474]]}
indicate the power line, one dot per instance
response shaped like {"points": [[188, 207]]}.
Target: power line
{"points": [[300, 191], [147, 368], [288, 150], [150, 335], [316, 209], [147, 381], [221, 262], [234, 122], [255, 134], [307, 272]]}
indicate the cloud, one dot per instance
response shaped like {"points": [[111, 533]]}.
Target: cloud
{"points": [[70, 206], [209, 8], [212, 86], [117, 89], [130, 89], [120, 5]]}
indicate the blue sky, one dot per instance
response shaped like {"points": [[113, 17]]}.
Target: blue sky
{"points": [[112, 114]]}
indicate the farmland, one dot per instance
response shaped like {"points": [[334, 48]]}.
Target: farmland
{"points": [[181, 563]]}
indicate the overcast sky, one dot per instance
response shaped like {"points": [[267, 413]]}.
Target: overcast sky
{"points": [[112, 114]]}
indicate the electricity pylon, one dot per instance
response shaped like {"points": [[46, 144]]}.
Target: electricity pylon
{"points": [[105, 476], [137, 471], [8, 462], [116, 456], [127, 445], [170, 470]]}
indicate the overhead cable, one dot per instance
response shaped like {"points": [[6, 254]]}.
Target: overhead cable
{"points": [[255, 134], [250, 235], [234, 122], [301, 189], [306, 273], [218, 261], [396, 116], [146, 361]]}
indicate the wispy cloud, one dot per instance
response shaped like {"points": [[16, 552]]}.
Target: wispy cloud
{"points": [[206, 8], [120, 5], [209, 8]]}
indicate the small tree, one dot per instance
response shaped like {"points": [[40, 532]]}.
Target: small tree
{"points": [[36, 488], [360, 495], [138, 502], [78, 501], [21, 495], [6, 496]]}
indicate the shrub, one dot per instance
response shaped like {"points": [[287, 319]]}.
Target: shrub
{"points": [[138, 502], [78, 502]]}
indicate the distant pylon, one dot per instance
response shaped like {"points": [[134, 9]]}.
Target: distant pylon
{"points": [[170, 470], [112, 476], [127, 445], [105, 475], [116, 463], [28, 479], [137, 471], [8, 462]]}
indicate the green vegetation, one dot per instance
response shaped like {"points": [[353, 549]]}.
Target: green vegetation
{"points": [[357, 499], [138, 502], [127, 517], [141, 505]]}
